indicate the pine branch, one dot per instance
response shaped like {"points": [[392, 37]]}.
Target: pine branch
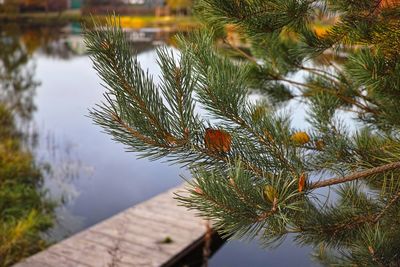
{"points": [[355, 176], [252, 186]]}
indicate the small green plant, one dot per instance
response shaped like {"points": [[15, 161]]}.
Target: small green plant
{"points": [[167, 240]]}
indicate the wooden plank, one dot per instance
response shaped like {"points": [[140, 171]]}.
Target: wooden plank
{"points": [[49, 258], [133, 237], [107, 240], [164, 228], [35, 263], [135, 255], [168, 208], [168, 220]]}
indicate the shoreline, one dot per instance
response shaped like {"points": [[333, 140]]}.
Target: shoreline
{"points": [[126, 20]]}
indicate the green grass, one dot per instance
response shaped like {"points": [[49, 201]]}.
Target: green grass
{"points": [[25, 212]]}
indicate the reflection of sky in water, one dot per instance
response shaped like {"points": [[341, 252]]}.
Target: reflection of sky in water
{"points": [[109, 179], [117, 180], [252, 255]]}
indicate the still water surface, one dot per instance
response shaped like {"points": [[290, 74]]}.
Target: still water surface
{"points": [[91, 174]]}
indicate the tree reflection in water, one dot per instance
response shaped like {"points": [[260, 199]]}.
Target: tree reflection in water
{"points": [[17, 84], [26, 211]]}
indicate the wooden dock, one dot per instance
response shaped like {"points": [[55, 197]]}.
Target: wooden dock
{"points": [[156, 232]]}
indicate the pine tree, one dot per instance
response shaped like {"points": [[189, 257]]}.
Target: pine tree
{"points": [[254, 174]]}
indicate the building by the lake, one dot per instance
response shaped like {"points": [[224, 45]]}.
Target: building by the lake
{"points": [[125, 7], [36, 6]]}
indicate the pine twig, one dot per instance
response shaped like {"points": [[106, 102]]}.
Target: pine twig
{"points": [[240, 51], [374, 257], [270, 212], [207, 244], [388, 205], [355, 176]]}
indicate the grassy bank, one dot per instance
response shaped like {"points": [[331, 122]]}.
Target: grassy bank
{"points": [[41, 17], [25, 213], [75, 16]]}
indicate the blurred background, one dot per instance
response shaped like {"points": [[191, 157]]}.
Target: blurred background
{"points": [[59, 174]]}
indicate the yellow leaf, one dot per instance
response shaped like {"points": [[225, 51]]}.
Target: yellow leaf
{"points": [[270, 193], [300, 138], [302, 182]]}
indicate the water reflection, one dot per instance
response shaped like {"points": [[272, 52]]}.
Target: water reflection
{"points": [[90, 175], [22, 47], [17, 84], [26, 211]]}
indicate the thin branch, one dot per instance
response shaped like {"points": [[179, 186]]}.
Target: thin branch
{"points": [[374, 257], [240, 51], [320, 88], [386, 208], [242, 195], [270, 212], [135, 133], [320, 72], [355, 176], [224, 158]]}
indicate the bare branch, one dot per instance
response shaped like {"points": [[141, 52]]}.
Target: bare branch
{"points": [[355, 176]]}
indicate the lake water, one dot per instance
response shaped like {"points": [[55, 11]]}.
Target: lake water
{"points": [[91, 175]]}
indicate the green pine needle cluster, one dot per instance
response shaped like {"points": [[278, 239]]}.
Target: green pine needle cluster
{"points": [[254, 174]]}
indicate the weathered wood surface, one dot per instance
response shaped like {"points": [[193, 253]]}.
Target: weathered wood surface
{"points": [[133, 237]]}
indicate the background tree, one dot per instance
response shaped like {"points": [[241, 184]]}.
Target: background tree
{"points": [[93, 3], [10, 7], [254, 174], [180, 6]]}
